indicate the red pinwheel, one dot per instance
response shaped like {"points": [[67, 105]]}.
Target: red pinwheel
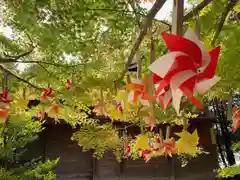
{"points": [[4, 97], [46, 93], [127, 151], [119, 107], [68, 84], [165, 96], [236, 119], [186, 69], [3, 114]]}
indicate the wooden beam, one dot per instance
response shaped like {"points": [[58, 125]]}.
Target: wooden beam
{"points": [[177, 28], [147, 23], [177, 17]]}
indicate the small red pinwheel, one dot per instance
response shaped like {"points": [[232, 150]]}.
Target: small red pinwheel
{"points": [[145, 154], [3, 114], [165, 96], [4, 97], [119, 107], [169, 147], [127, 151], [41, 115], [236, 119], [186, 69], [68, 84], [47, 92]]}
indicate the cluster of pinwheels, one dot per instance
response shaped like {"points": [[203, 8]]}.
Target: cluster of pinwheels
{"points": [[47, 95], [148, 147], [188, 68]]}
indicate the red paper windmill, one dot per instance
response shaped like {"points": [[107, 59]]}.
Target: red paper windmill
{"points": [[187, 68], [46, 93], [68, 84], [4, 97], [236, 118], [3, 114], [165, 96]]}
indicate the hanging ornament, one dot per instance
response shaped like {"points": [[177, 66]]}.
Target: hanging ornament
{"points": [[139, 92], [150, 121], [141, 143], [169, 147], [3, 114], [4, 98], [54, 112], [187, 144], [41, 115], [127, 151], [164, 96], [47, 92], [146, 154], [99, 109], [68, 84], [186, 69], [236, 118]]}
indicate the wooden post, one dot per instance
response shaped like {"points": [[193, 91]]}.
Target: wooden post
{"points": [[177, 28], [177, 17], [150, 83]]}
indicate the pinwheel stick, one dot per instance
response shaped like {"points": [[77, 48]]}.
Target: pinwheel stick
{"points": [[185, 124], [168, 131], [150, 83], [160, 133]]}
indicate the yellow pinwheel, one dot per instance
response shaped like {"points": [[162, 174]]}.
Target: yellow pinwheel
{"points": [[187, 144]]}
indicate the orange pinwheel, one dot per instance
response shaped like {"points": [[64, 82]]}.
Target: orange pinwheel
{"points": [[68, 84], [53, 112], [3, 114], [169, 146], [150, 121], [139, 92], [41, 115], [146, 154], [236, 118]]}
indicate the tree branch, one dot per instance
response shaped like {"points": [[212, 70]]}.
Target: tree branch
{"points": [[129, 11], [15, 58], [147, 23], [229, 7], [196, 10], [9, 60], [18, 77]]}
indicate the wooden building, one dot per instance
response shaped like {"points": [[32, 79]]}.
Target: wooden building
{"points": [[74, 164]]}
